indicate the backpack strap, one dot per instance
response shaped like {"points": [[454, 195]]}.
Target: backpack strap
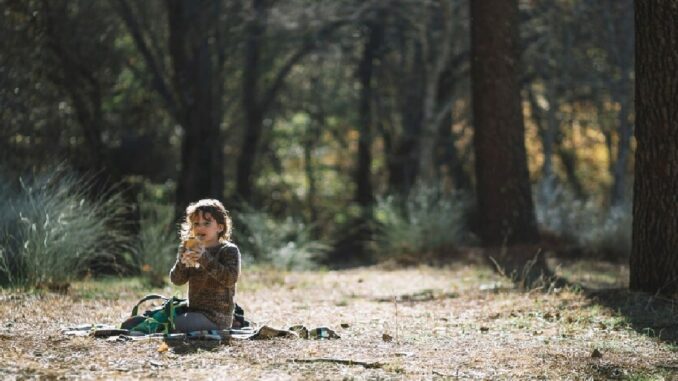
{"points": [[170, 310], [146, 298]]}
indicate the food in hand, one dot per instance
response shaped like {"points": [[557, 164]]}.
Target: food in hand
{"points": [[192, 244]]}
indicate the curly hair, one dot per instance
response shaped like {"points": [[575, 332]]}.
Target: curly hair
{"points": [[216, 210]]}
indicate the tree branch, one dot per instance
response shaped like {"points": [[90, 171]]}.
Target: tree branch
{"points": [[159, 80], [309, 45]]}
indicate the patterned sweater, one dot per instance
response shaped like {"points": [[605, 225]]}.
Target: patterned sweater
{"points": [[211, 287]]}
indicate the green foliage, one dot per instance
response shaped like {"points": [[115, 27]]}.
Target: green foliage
{"points": [[602, 231], [286, 244], [426, 221], [54, 227]]}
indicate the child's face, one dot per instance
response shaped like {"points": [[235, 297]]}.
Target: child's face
{"points": [[206, 228]]}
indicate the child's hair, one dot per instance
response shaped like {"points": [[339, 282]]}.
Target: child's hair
{"points": [[216, 209]]}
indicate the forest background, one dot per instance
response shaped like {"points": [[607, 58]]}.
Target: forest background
{"points": [[336, 132]]}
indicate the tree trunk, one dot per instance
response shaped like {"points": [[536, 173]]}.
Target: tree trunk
{"points": [[448, 155], [436, 64], [364, 195], [547, 126], [569, 160], [619, 22], [619, 169], [654, 255], [250, 101], [201, 173], [503, 185]]}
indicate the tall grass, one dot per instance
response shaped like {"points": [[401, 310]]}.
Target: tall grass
{"points": [[286, 244], [599, 230], [427, 221], [158, 242], [52, 229]]}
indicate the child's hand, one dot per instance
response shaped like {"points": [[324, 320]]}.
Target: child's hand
{"points": [[190, 257]]}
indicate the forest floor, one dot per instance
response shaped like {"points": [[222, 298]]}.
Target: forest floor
{"points": [[460, 321]]}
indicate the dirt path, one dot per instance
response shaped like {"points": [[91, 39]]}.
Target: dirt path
{"points": [[462, 321]]}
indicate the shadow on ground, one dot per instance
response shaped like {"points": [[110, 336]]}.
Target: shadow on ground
{"points": [[187, 347], [650, 315]]}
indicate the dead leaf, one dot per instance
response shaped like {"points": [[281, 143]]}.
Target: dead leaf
{"points": [[387, 338], [163, 347]]}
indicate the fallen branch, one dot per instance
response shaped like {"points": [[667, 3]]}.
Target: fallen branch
{"points": [[368, 365]]}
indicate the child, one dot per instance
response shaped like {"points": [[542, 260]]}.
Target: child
{"points": [[211, 269]]}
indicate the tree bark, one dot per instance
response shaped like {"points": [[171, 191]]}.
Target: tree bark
{"points": [[503, 185], [654, 254]]}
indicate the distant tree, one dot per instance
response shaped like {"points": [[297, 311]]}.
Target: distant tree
{"points": [[654, 256], [63, 50], [505, 204], [423, 60], [374, 36], [265, 70], [192, 90]]}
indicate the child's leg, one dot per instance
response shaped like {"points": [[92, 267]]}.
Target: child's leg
{"points": [[193, 321]]}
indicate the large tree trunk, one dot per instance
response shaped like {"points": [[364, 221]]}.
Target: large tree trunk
{"points": [[201, 173], [654, 255], [503, 185]]}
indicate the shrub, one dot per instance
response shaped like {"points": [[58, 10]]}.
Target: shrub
{"points": [[286, 244], [52, 229], [426, 221], [601, 231]]}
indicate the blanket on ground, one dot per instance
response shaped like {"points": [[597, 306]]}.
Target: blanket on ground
{"points": [[113, 333]]}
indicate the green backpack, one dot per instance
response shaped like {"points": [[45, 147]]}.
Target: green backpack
{"points": [[157, 320]]}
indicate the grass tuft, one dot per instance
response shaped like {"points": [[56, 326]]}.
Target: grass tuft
{"points": [[157, 245], [53, 228]]}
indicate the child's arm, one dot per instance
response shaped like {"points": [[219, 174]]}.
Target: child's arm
{"points": [[226, 268], [179, 273]]}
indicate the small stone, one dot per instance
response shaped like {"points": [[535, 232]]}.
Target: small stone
{"points": [[596, 354], [387, 338], [484, 329], [344, 325]]}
